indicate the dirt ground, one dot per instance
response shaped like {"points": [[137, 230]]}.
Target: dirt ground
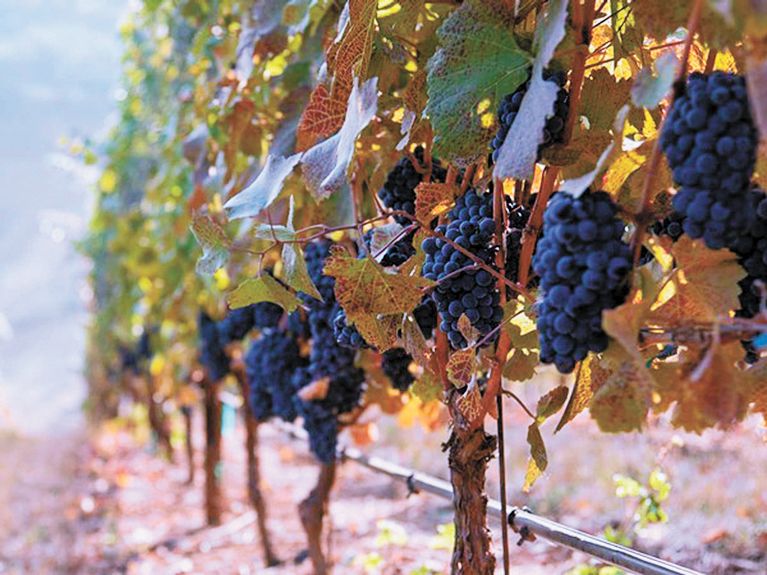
{"points": [[105, 503]]}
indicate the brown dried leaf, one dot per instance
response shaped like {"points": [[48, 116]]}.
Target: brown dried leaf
{"points": [[433, 199], [550, 403], [316, 390], [470, 404], [460, 367]]}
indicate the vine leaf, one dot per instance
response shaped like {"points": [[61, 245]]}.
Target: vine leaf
{"points": [[602, 97], [519, 152], [427, 388], [477, 63], [649, 89], [704, 286], [364, 287], [539, 460], [522, 361], [460, 367], [577, 186], [381, 237], [590, 375], [470, 403], [378, 331], [550, 403], [295, 273], [214, 242], [237, 122], [347, 58], [756, 378], [262, 288], [621, 402], [414, 342], [260, 194], [720, 396], [325, 165], [433, 199], [623, 324]]}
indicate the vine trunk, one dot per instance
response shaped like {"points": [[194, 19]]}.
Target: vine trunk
{"points": [[312, 511], [213, 499]]}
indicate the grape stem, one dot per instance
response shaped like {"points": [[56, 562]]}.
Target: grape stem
{"points": [[644, 213]]}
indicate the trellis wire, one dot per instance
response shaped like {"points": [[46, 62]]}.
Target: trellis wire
{"points": [[523, 521]]}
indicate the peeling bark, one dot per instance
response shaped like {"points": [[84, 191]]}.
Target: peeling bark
{"points": [[312, 511], [469, 452]]}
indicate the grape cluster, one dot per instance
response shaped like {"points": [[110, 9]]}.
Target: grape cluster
{"points": [[397, 253], [327, 359], [554, 130], [518, 216], [398, 192], [298, 325], [425, 315], [347, 335], [710, 142], [129, 361], [472, 292], [583, 266], [212, 355], [144, 345], [320, 423], [395, 363], [751, 249], [671, 226], [270, 363]]}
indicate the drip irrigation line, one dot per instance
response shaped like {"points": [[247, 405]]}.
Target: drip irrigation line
{"points": [[523, 521]]}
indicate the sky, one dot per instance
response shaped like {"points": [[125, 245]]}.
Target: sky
{"points": [[59, 64]]}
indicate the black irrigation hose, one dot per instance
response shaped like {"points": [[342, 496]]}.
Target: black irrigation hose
{"points": [[522, 521]]}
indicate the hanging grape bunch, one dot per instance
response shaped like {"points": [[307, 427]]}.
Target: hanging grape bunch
{"points": [[212, 355], [327, 359], [517, 216], [710, 142], [471, 292], [554, 130], [584, 267], [398, 192], [270, 363]]}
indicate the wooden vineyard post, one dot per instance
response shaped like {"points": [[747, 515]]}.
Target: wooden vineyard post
{"points": [[312, 511], [254, 472], [213, 497]]}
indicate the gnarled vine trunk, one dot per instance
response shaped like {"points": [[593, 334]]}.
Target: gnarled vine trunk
{"points": [[254, 474], [213, 498], [157, 420], [186, 412], [469, 451], [312, 512]]}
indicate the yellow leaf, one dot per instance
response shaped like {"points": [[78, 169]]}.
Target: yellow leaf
{"points": [[539, 460], [460, 367], [433, 199]]}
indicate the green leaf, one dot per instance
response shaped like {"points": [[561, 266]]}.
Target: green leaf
{"points": [[260, 289], [538, 461], [325, 165], [477, 64], [519, 152], [295, 273], [264, 190], [649, 89], [214, 242]]}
